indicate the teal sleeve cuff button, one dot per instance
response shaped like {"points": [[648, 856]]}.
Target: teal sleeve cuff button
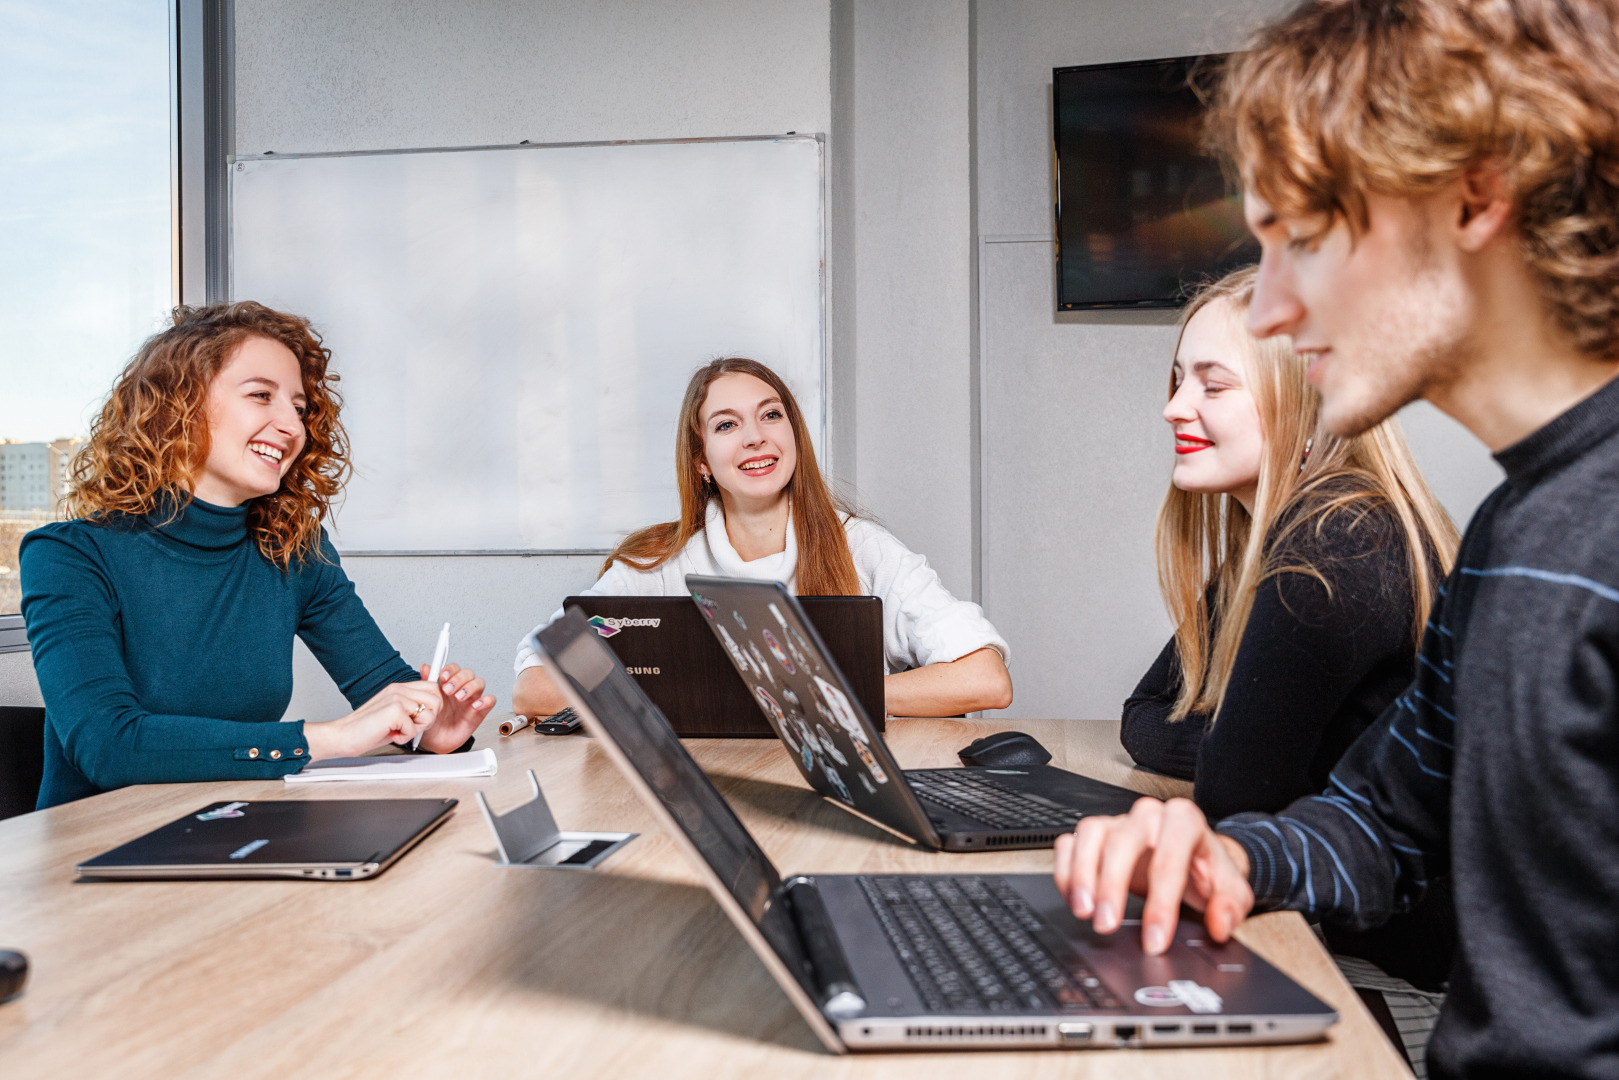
{"points": [[275, 755], [299, 752], [253, 753]]}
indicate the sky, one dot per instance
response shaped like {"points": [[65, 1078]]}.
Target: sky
{"points": [[84, 203]]}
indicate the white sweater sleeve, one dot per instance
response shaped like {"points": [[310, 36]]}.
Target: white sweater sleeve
{"points": [[922, 622], [619, 580]]}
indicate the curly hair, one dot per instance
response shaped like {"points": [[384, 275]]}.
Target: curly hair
{"points": [[146, 447], [1342, 98]]}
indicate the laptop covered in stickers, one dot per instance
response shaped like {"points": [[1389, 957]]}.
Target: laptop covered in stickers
{"points": [[684, 668], [801, 690]]}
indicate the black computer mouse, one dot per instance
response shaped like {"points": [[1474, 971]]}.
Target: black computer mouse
{"points": [[1003, 750], [13, 973]]}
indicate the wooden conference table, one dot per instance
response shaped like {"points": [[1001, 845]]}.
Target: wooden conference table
{"points": [[450, 964]]}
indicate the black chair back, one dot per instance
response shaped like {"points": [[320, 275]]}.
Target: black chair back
{"points": [[22, 758]]}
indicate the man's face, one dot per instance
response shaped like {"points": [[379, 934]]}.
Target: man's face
{"points": [[1384, 316]]}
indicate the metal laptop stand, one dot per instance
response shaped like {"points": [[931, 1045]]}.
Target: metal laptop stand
{"points": [[528, 836]]}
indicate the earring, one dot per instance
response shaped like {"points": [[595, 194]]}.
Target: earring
{"points": [[1308, 443]]}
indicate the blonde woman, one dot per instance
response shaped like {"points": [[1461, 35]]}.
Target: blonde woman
{"points": [[1299, 568], [753, 504]]}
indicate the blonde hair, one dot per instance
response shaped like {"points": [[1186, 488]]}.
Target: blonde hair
{"points": [[1343, 98], [1209, 540], [825, 563]]}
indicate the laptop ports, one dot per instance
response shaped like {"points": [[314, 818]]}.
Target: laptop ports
{"points": [[1205, 1029], [1239, 1029], [1074, 1031], [1166, 1029], [1125, 1033]]}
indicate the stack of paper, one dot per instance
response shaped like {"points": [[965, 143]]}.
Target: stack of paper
{"points": [[398, 767]]}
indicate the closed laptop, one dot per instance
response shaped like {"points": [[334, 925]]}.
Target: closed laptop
{"points": [[324, 839]]}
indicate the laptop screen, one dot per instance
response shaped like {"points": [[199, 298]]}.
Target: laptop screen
{"points": [[804, 696], [621, 709]]}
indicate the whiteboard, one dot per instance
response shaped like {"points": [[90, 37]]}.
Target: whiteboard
{"points": [[514, 327]]}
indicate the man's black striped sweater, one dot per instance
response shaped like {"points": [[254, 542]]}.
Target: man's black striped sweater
{"points": [[1500, 767]]}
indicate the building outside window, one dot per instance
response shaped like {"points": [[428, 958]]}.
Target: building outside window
{"points": [[85, 232]]}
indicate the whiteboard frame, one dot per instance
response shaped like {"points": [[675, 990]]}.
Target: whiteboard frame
{"points": [[823, 440]]}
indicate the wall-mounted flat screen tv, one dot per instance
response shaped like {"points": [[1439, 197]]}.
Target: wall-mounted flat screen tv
{"points": [[1142, 212]]}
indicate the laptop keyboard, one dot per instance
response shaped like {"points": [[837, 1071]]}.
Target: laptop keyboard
{"points": [[982, 798], [970, 945]]}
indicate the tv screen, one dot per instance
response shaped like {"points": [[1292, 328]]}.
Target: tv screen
{"points": [[1142, 212]]}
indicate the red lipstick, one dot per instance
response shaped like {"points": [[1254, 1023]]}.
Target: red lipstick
{"points": [[1190, 444]]}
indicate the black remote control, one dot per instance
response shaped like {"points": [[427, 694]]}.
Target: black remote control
{"points": [[565, 722]]}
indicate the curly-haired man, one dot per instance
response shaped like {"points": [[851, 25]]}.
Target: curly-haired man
{"points": [[1435, 186]]}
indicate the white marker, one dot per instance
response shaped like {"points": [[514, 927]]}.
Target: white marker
{"points": [[440, 654]]}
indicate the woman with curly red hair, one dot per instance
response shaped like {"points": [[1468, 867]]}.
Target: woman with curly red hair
{"points": [[161, 614]]}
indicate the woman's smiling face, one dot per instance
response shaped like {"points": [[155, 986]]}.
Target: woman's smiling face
{"points": [[255, 423], [748, 443], [1219, 443]]}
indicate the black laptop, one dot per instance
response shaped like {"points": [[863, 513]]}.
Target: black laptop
{"points": [[324, 839], [803, 694], [663, 644], [928, 962]]}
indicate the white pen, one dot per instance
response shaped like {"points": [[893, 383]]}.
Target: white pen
{"points": [[440, 654]]}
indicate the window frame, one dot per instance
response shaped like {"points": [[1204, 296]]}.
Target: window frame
{"points": [[202, 107]]}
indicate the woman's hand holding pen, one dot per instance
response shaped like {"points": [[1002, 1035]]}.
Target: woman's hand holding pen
{"points": [[463, 709], [395, 714]]}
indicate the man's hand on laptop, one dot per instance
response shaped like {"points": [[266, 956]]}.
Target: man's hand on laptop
{"points": [[1164, 851]]}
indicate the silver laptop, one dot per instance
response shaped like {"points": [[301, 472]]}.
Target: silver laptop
{"points": [[324, 839], [911, 961], [805, 695]]}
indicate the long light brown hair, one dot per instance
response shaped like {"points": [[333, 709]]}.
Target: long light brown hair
{"points": [[151, 440], [825, 564], [1209, 540]]}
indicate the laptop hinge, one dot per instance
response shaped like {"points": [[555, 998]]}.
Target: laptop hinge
{"points": [[839, 997]]}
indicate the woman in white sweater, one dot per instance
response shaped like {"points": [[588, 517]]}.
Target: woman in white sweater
{"points": [[753, 504]]}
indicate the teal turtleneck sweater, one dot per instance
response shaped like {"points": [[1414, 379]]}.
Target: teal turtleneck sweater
{"points": [[163, 649]]}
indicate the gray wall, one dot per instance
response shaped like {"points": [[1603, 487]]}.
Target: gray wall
{"points": [[912, 253], [1020, 450], [17, 683], [376, 74]]}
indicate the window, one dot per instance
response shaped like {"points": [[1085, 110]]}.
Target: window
{"points": [[85, 224]]}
